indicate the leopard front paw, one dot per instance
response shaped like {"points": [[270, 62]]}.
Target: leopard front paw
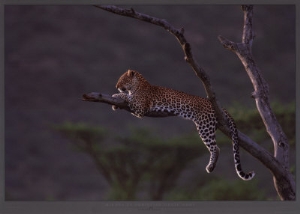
{"points": [[137, 115], [120, 95], [114, 107], [116, 95]]}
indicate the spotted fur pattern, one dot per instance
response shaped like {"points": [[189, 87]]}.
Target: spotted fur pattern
{"points": [[142, 97]]}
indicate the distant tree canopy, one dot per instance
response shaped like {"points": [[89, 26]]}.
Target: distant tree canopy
{"points": [[143, 162]]}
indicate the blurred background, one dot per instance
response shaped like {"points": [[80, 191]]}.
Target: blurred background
{"points": [[58, 147]]}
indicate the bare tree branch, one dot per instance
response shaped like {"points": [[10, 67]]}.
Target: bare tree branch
{"points": [[189, 58], [278, 165], [247, 37], [120, 103], [261, 96]]}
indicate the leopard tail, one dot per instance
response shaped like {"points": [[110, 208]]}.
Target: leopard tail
{"points": [[236, 155]]}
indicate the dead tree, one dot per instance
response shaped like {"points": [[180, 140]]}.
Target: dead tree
{"points": [[278, 163]]}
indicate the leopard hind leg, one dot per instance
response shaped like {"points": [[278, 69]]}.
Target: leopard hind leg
{"points": [[207, 134]]}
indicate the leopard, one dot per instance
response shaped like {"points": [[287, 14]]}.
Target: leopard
{"points": [[143, 97]]}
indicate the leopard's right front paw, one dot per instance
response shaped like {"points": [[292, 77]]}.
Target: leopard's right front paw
{"points": [[115, 95]]}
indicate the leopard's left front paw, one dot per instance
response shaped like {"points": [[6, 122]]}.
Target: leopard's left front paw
{"points": [[120, 95], [114, 107]]}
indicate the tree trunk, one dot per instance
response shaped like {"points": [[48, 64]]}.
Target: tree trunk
{"points": [[284, 185]]}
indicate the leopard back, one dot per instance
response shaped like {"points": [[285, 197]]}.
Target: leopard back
{"points": [[142, 97]]}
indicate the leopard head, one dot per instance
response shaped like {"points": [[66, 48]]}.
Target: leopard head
{"points": [[130, 81]]}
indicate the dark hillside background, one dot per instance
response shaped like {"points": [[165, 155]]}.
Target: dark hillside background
{"points": [[54, 54]]}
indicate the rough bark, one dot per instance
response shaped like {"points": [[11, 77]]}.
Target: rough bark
{"points": [[278, 164]]}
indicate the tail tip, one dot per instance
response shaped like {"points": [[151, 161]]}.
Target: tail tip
{"points": [[249, 176]]}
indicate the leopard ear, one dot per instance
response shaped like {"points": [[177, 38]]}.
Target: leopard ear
{"points": [[130, 73]]}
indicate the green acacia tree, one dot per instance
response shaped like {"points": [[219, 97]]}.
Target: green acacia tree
{"points": [[134, 160], [142, 161]]}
